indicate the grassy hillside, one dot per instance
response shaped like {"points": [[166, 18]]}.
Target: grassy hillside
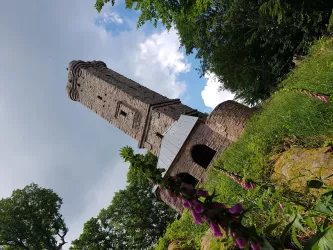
{"points": [[289, 118]]}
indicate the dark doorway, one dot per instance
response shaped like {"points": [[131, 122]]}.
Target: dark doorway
{"points": [[202, 155], [187, 178]]}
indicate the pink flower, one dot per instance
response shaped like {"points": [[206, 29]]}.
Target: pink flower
{"points": [[236, 209], [247, 185], [172, 195], [281, 206], [232, 234], [202, 193], [186, 186], [215, 228], [218, 205], [186, 203], [197, 218], [197, 206], [207, 216], [241, 242], [255, 246], [325, 99]]}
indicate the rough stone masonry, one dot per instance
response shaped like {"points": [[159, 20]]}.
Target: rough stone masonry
{"points": [[157, 122]]}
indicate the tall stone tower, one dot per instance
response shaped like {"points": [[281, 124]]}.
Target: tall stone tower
{"points": [[138, 111], [186, 141]]}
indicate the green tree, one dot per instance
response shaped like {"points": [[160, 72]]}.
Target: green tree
{"points": [[248, 44], [30, 219], [135, 219]]}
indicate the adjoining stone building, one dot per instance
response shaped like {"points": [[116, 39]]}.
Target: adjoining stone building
{"points": [[185, 140]]}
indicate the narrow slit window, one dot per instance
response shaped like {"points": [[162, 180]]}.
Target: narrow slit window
{"points": [[123, 113], [159, 135]]}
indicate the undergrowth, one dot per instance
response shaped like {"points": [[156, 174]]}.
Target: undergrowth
{"points": [[287, 119]]}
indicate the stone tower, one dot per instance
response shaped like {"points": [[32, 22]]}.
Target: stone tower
{"points": [[185, 140], [138, 111]]}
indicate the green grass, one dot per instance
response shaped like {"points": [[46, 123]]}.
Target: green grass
{"points": [[286, 114], [183, 229]]}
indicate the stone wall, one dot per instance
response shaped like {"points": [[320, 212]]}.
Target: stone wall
{"points": [[163, 196], [161, 119], [229, 119], [201, 134]]}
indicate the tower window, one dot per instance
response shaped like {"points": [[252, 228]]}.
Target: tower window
{"points": [[99, 97], [159, 135], [202, 155], [123, 113]]}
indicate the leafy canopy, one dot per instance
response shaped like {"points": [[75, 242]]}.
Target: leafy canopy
{"points": [[135, 219], [248, 44], [30, 219]]}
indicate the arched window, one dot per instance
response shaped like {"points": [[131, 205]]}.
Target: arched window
{"points": [[202, 155], [187, 178]]}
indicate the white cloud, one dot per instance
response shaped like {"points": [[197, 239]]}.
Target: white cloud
{"points": [[212, 93], [49, 139], [159, 63], [109, 17]]}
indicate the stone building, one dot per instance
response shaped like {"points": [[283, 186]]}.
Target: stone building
{"points": [[185, 140]]}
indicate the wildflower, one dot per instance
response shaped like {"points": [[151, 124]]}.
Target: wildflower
{"points": [[172, 195], [196, 216], [218, 205], [202, 193], [207, 216], [232, 234], [248, 186], [186, 186], [255, 246], [197, 206], [325, 99], [215, 228], [281, 206], [241, 242], [186, 203], [236, 209]]}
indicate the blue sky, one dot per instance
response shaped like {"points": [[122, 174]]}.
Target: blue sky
{"points": [[48, 139]]}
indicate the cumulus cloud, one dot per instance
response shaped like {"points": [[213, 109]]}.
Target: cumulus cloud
{"points": [[160, 61], [212, 93]]}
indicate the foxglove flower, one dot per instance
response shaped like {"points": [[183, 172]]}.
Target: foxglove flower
{"points": [[197, 218], [241, 242], [236, 209], [186, 186], [218, 205], [172, 195], [202, 193], [255, 246], [197, 206], [325, 99], [215, 228], [186, 203]]}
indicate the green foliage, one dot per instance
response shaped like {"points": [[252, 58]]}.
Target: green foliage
{"points": [[135, 219], [287, 114], [248, 44], [30, 219], [183, 229], [100, 4]]}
